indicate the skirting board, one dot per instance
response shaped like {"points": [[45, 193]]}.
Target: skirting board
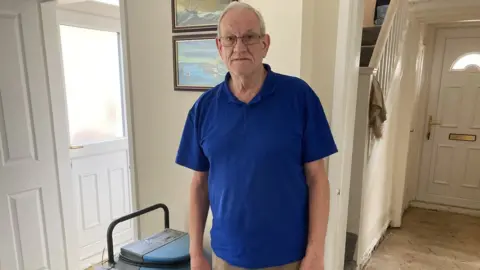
{"points": [[445, 208], [373, 246]]}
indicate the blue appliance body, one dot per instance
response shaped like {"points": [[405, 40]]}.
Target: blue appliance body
{"points": [[166, 250]]}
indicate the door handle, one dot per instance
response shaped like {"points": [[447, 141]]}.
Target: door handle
{"points": [[430, 124], [76, 147]]}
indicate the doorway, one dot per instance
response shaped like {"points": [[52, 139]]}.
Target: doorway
{"points": [[449, 172], [99, 150]]}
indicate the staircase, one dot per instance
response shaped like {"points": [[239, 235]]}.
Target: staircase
{"points": [[369, 39]]}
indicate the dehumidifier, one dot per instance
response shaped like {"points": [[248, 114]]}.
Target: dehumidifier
{"points": [[166, 250]]}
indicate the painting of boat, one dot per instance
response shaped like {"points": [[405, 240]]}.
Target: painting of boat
{"points": [[197, 62], [197, 15]]}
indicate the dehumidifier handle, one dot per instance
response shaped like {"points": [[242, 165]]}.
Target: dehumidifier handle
{"points": [[111, 259]]}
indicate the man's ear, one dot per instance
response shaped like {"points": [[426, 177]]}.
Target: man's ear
{"points": [[217, 41], [266, 42]]}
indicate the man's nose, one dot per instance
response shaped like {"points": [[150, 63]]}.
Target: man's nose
{"points": [[239, 45]]}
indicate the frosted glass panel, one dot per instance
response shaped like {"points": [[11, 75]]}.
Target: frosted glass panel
{"points": [[110, 2], [93, 84], [471, 60]]}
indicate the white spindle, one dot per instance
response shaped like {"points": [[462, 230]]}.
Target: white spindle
{"points": [[390, 56], [383, 73]]}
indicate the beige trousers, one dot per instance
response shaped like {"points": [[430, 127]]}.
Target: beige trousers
{"points": [[219, 264]]}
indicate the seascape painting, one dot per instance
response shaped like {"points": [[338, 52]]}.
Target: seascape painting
{"points": [[197, 15], [198, 66]]}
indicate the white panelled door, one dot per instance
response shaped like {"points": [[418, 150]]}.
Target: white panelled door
{"points": [[451, 159], [99, 146], [101, 177], [31, 227]]}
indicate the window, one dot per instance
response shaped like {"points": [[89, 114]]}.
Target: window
{"points": [[467, 61], [91, 62]]}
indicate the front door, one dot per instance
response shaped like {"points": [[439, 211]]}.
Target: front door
{"points": [[98, 142], [31, 227], [451, 160]]}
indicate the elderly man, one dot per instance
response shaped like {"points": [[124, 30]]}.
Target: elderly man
{"points": [[256, 143]]}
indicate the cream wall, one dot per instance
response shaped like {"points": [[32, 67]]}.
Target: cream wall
{"points": [[404, 114], [299, 46], [319, 41], [286, 40], [157, 112], [369, 13], [304, 43], [420, 110]]}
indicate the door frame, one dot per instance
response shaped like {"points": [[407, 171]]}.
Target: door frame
{"points": [[60, 133], [431, 103], [434, 67], [52, 18], [75, 18], [343, 115], [414, 167]]}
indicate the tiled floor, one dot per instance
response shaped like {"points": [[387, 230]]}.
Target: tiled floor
{"points": [[430, 240]]}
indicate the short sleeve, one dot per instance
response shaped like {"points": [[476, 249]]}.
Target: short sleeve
{"points": [[190, 154], [318, 141]]}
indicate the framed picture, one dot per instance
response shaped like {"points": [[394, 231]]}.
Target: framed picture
{"points": [[197, 63], [197, 15]]}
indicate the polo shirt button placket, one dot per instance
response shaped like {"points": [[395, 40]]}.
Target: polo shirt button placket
{"points": [[245, 118]]}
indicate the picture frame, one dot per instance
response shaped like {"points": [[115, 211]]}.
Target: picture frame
{"points": [[197, 65], [196, 15]]}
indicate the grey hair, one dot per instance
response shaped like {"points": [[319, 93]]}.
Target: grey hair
{"points": [[242, 5]]}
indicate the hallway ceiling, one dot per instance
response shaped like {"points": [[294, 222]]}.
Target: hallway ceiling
{"points": [[446, 11], [108, 2]]}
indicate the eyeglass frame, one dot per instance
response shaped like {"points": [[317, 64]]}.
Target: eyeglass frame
{"points": [[259, 36]]}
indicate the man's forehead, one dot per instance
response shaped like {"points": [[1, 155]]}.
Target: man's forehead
{"points": [[239, 30], [241, 20]]}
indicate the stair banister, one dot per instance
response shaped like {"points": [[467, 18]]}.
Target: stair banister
{"points": [[386, 52], [384, 34]]}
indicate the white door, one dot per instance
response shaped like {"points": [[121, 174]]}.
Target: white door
{"points": [[451, 159], [99, 147], [31, 226]]}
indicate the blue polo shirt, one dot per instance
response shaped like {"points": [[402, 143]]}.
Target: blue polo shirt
{"points": [[255, 155]]}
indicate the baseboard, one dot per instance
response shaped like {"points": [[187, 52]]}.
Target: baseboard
{"points": [[373, 246], [445, 208]]}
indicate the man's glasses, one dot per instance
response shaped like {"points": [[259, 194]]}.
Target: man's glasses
{"points": [[249, 39]]}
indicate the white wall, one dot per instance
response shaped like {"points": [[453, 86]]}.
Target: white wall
{"points": [[360, 151], [409, 87], [387, 163], [417, 122]]}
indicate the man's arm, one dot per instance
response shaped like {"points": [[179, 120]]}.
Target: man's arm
{"points": [[199, 204], [319, 207]]}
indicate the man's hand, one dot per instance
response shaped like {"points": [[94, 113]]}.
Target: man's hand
{"points": [[312, 261], [200, 263]]}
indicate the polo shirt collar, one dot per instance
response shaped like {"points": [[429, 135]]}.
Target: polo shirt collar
{"points": [[268, 87]]}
